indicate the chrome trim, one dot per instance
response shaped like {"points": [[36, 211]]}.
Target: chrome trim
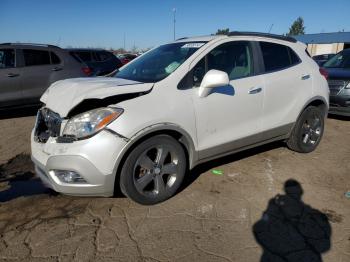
{"points": [[336, 86], [305, 77], [255, 90]]}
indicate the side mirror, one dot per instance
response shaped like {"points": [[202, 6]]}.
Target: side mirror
{"points": [[212, 79]]}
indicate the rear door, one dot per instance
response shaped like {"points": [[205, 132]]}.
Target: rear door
{"points": [[36, 73], [287, 83], [10, 91]]}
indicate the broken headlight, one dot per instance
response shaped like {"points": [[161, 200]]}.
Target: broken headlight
{"points": [[89, 123]]}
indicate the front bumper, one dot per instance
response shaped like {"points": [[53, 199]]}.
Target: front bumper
{"points": [[94, 159], [339, 105]]}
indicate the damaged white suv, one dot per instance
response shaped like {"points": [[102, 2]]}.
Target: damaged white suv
{"points": [[174, 107]]}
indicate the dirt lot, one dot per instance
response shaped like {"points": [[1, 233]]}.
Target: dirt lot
{"points": [[236, 216]]}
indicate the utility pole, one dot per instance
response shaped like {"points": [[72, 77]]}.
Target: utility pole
{"points": [[270, 28], [174, 12], [124, 41]]}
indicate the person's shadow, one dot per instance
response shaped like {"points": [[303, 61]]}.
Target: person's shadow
{"points": [[290, 230]]}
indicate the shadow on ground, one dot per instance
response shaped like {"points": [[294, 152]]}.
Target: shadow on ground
{"points": [[291, 230], [17, 179], [19, 111], [206, 166]]}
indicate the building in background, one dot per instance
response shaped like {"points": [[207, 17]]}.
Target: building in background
{"points": [[325, 43]]}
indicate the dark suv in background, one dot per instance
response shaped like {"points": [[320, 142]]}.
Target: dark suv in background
{"points": [[27, 70], [100, 62], [338, 70], [321, 59]]}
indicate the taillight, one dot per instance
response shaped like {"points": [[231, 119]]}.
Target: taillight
{"points": [[87, 70], [324, 72]]}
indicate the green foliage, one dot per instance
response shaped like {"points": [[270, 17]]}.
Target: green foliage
{"points": [[225, 31], [297, 27]]}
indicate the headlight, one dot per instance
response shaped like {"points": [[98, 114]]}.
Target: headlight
{"points": [[348, 86], [90, 122]]}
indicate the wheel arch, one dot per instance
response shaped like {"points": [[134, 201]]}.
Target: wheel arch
{"points": [[159, 129], [317, 101]]}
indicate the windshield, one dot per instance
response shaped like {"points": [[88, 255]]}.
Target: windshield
{"points": [[341, 60], [160, 62]]}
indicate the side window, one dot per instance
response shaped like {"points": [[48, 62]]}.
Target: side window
{"points": [[294, 58], [277, 57], [55, 59], [234, 58], [84, 56], [36, 57], [198, 72], [102, 56], [7, 58]]}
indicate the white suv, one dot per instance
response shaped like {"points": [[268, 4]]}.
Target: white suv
{"points": [[174, 107]]}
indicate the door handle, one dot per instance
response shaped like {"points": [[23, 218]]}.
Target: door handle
{"points": [[56, 69], [255, 90], [305, 77], [12, 75]]}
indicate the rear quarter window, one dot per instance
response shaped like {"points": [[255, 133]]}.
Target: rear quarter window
{"points": [[55, 59], [102, 56], [84, 56], [277, 57]]}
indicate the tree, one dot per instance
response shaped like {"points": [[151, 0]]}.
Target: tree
{"points": [[225, 31], [297, 27]]}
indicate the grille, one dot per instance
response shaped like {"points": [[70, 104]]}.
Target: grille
{"points": [[48, 124], [335, 86]]}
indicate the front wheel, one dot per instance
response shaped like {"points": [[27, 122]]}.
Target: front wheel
{"points": [[154, 170], [308, 130]]}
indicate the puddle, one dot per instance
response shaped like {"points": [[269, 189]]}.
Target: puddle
{"points": [[17, 179]]}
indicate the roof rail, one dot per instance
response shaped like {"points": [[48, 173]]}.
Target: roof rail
{"points": [[279, 37], [182, 38], [32, 44]]}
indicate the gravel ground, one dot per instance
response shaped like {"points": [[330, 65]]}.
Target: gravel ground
{"points": [[245, 214]]}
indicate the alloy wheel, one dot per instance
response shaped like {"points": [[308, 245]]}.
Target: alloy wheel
{"points": [[156, 170], [311, 129]]}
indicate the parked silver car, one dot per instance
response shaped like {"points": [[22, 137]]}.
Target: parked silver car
{"points": [[27, 70]]}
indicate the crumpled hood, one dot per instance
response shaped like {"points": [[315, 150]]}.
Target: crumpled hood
{"points": [[64, 95]]}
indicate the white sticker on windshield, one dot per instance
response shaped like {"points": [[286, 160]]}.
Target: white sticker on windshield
{"points": [[192, 45], [172, 67]]}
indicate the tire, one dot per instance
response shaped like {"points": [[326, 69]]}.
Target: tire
{"points": [[308, 130], [154, 170]]}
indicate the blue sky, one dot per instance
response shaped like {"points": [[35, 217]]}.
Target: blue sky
{"points": [[149, 23]]}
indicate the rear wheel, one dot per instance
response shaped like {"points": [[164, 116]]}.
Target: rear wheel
{"points": [[308, 130], [154, 170]]}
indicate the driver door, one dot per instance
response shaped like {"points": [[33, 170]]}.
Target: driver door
{"points": [[230, 117]]}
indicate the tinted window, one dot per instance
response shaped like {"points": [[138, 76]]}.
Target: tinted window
{"points": [[341, 60], [277, 56], [7, 58], [294, 58], [84, 56], [102, 56], [36, 57], [54, 58], [234, 58]]}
